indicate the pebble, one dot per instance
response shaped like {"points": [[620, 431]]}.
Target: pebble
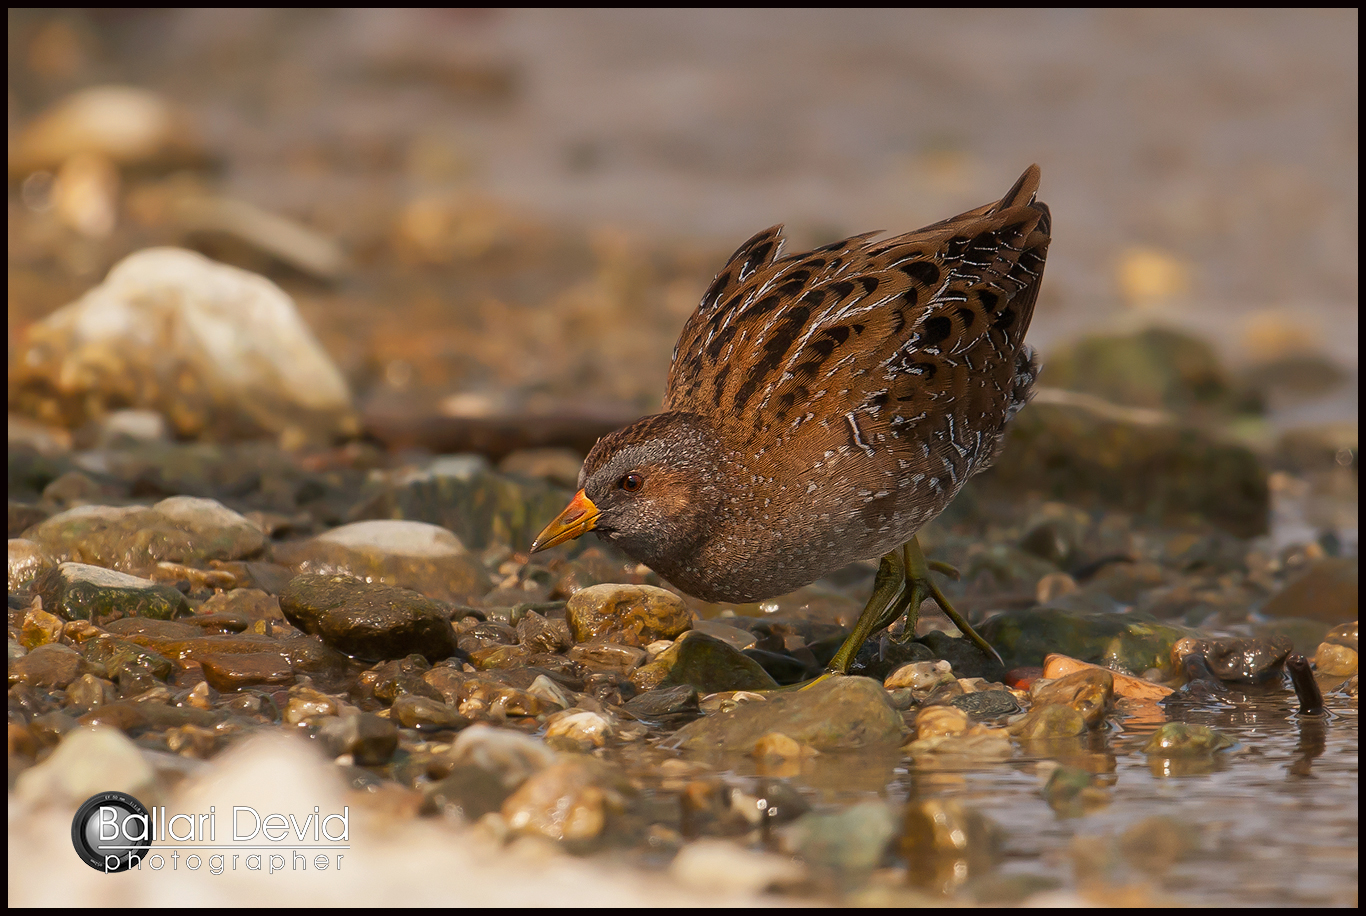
{"points": [[87, 761], [1179, 739], [564, 801], [840, 713], [725, 865], [581, 726], [846, 843], [27, 561], [52, 665], [243, 360], [77, 591], [1090, 691], [633, 615], [1123, 685], [1327, 591], [368, 620], [706, 663], [606, 656], [426, 558]]}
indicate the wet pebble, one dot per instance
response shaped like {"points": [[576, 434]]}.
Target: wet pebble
{"points": [[706, 663], [667, 705], [232, 672], [569, 800], [368, 621], [27, 561], [367, 738], [1240, 661], [1043, 722], [580, 727], [1089, 691], [842, 712], [633, 615], [52, 665], [921, 677], [846, 843], [605, 656], [424, 713], [1327, 591], [425, 558], [1179, 739], [77, 591], [133, 539]]}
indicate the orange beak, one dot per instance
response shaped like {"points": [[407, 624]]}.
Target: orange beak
{"points": [[577, 518]]}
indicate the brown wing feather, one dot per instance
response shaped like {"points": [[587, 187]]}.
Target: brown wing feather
{"points": [[911, 349]]}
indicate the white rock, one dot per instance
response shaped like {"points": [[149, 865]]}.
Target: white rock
{"points": [[396, 536]]}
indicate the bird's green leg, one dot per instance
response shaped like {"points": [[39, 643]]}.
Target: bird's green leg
{"points": [[903, 582], [918, 573]]}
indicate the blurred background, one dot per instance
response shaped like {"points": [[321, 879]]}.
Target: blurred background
{"points": [[482, 212]]}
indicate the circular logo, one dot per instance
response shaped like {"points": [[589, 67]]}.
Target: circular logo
{"points": [[112, 832]]}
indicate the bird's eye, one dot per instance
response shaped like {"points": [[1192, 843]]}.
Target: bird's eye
{"points": [[631, 483]]}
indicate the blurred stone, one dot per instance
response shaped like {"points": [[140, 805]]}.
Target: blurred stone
{"points": [[367, 620], [724, 865], [52, 665], [706, 663], [1178, 739], [414, 555], [370, 740], [1156, 844], [128, 125], [27, 561], [583, 726], [840, 713], [634, 615], [85, 195], [565, 801], [511, 756], [87, 761], [76, 591], [1149, 277], [1327, 591], [847, 843], [559, 466], [1126, 641], [1344, 634], [1073, 792], [181, 529], [211, 221], [218, 351], [1056, 533], [1093, 455], [946, 843], [461, 494], [467, 792]]}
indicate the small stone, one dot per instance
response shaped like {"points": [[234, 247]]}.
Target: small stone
{"points": [[211, 347], [1043, 722], [1073, 792], [427, 714], [581, 726], [605, 656], [1054, 586], [946, 843], [90, 692], [781, 747], [921, 677], [1335, 660], [232, 672], [1179, 739], [1089, 691], [707, 663], [840, 713], [76, 591], [666, 705], [39, 628], [512, 756], [52, 665], [634, 615], [565, 801], [27, 561], [425, 558], [370, 740], [133, 539], [987, 704], [1327, 591], [723, 865], [845, 843], [368, 621], [306, 704], [468, 792], [87, 761], [549, 692], [538, 634], [1124, 685]]}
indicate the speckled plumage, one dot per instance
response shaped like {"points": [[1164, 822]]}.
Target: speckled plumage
{"points": [[822, 407]]}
